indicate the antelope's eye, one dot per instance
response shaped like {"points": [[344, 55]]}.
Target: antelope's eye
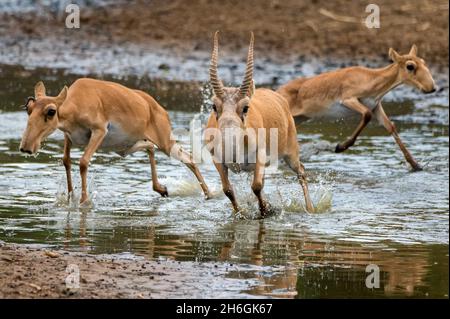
{"points": [[410, 67], [51, 112], [245, 109], [214, 108]]}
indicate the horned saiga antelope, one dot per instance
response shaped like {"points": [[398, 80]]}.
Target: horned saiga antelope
{"points": [[246, 111], [102, 115], [340, 93]]}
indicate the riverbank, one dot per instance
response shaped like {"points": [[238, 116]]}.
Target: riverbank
{"points": [[172, 40], [38, 272], [283, 29]]}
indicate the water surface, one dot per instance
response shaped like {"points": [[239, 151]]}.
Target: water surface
{"points": [[373, 209]]}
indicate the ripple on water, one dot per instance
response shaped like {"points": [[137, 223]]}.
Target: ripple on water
{"points": [[371, 209]]}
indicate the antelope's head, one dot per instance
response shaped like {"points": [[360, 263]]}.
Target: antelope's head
{"points": [[42, 118], [231, 105], [413, 70]]}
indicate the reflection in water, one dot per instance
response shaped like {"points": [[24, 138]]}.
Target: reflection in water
{"points": [[299, 267], [380, 213]]}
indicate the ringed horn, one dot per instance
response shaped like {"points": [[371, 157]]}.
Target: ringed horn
{"points": [[213, 73]]}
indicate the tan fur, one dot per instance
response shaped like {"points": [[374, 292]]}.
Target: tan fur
{"points": [[358, 89], [266, 109], [96, 110]]}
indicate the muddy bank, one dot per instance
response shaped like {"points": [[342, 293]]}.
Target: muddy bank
{"points": [[37, 272], [172, 40], [282, 28]]}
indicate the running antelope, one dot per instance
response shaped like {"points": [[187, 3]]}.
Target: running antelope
{"points": [[99, 114], [246, 110], [343, 92]]}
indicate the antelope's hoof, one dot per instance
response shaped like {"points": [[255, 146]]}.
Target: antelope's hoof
{"points": [[164, 193], [162, 190], [83, 200], [208, 196], [417, 168], [268, 211], [310, 210], [85, 204], [340, 148]]}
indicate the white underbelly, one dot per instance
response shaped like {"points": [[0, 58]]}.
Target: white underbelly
{"points": [[115, 140], [337, 110]]}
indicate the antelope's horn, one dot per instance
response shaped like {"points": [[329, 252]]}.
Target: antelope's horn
{"points": [[243, 90], [213, 76]]}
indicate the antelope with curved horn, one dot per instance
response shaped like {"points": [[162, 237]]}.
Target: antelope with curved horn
{"points": [[103, 115], [243, 111], [354, 90]]}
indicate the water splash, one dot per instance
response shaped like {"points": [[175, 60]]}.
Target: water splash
{"points": [[183, 187], [308, 150], [71, 201]]}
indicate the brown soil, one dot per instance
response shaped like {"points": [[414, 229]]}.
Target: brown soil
{"points": [[27, 272], [282, 28]]}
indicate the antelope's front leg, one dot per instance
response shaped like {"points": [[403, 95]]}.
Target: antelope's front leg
{"points": [[226, 186], [94, 143], [157, 187], [366, 116], [390, 127], [68, 164], [258, 184]]}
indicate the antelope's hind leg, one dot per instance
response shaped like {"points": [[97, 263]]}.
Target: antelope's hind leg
{"points": [[294, 163], [162, 139], [184, 157], [366, 116], [157, 187]]}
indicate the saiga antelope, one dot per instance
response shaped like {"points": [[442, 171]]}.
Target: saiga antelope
{"points": [[99, 114], [358, 89], [247, 110]]}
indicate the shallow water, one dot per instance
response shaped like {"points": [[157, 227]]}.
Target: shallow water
{"points": [[373, 210]]}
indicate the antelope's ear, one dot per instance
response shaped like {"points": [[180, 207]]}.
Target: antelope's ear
{"points": [[39, 90], [30, 101], [395, 57], [413, 50], [61, 97]]}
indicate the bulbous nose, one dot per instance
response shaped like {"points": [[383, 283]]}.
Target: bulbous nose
{"points": [[229, 122], [25, 151]]}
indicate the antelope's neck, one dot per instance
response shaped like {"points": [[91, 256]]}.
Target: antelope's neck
{"points": [[63, 122], [384, 80]]}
